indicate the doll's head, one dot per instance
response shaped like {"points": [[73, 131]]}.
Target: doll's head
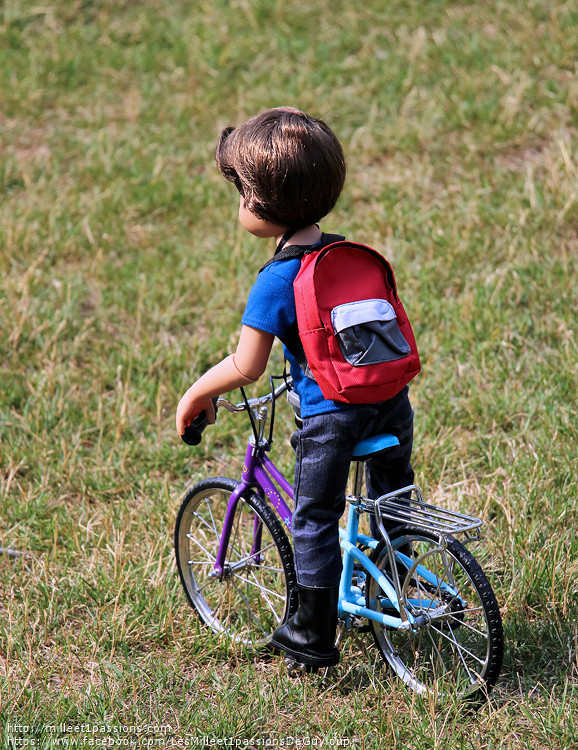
{"points": [[288, 167]]}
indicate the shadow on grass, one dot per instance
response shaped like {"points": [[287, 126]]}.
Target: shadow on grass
{"points": [[540, 655]]}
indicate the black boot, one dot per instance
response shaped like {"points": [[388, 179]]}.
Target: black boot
{"points": [[309, 636]]}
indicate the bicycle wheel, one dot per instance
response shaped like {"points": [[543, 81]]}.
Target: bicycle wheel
{"points": [[457, 644], [251, 597]]}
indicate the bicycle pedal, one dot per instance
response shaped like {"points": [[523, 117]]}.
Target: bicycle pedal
{"points": [[296, 668]]}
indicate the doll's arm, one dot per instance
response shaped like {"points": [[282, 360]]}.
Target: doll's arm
{"points": [[245, 366]]}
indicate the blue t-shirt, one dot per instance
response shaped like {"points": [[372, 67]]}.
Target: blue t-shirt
{"points": [[271, 308]]}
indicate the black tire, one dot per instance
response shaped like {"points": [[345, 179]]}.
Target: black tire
{"points": [[251, 598], [458, 645]]}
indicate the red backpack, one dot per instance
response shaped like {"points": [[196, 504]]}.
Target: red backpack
{"points": [[357, 339]]}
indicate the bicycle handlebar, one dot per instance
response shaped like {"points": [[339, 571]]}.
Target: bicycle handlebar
{"points": [[194, 431], [254, 402]]}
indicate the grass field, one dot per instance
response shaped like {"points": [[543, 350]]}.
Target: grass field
{"points": [[124, 275]]}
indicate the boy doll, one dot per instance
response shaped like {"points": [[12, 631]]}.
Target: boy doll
{"points": [[289, 170]]}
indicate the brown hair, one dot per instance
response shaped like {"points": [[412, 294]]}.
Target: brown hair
{"points": [[288, 167]]}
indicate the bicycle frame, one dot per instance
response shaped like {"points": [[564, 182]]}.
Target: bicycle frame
{"points": [[261, 473], [352, 602]]}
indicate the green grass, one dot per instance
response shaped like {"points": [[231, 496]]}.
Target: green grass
{"points": [[124, 275]]}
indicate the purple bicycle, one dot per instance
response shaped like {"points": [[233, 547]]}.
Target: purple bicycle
{"points": [[430, 608]]}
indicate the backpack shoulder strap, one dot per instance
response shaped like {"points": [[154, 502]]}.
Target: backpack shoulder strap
{"points": [[299, 251], [329, 239]]}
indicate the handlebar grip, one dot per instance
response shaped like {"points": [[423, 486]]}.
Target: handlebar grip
{"points": [[194, 431]]}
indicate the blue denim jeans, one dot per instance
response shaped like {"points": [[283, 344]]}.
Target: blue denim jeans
{"points": [[323, 449]]}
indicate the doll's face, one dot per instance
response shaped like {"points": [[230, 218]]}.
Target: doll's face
{"points": [[256, 226]]}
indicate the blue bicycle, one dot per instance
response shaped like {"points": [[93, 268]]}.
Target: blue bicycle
{"points": [[408, 581]]}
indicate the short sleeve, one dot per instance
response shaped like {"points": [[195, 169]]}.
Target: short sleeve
{"points": [[271, 303]]}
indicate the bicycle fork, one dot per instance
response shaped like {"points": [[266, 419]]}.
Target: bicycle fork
{"points": [[257, 470]]}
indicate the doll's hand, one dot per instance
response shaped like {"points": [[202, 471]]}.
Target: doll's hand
{"points": [[190, 407]]}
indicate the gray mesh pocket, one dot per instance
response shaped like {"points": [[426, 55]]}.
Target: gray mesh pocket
{"points": [[368, 332]]}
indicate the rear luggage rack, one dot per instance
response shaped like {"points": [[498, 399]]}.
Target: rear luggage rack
{"points": [[407, 506]]}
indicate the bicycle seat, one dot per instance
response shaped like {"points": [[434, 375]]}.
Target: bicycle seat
{"points": [[371, 446]]}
